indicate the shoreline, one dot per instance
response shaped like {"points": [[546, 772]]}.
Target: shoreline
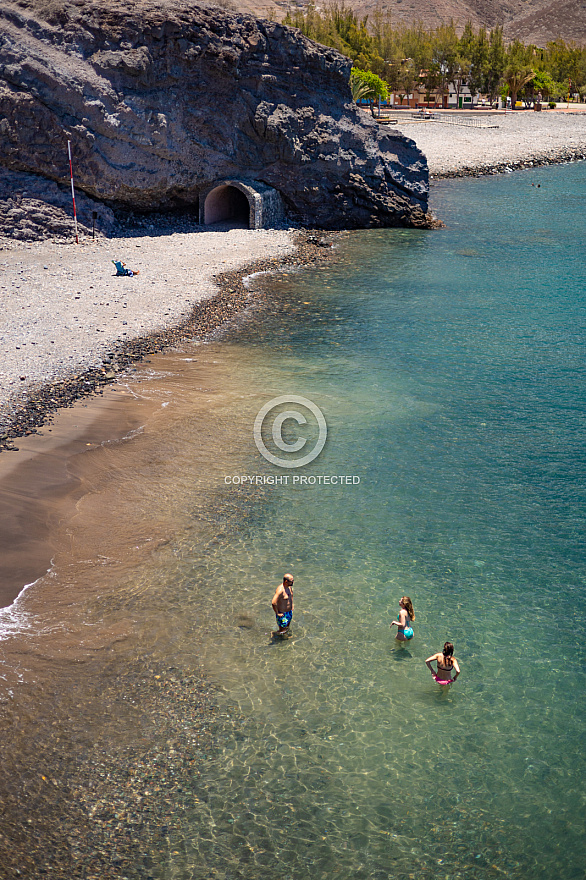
{"points": [[521, 141], [101, 752], [536, 161], [224, 295]]}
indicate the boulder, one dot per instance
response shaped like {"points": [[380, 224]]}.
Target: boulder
{"points": [[162, 99]]}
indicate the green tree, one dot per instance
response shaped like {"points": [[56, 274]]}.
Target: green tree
{"points": [[416, 43], [461, 75], [358, 86], [517, 75], [541, 82], [433, 81], [467, 40], [369, 85], [444, 55], [392, 75], [407, 79], [480, 63], [496, 62]]}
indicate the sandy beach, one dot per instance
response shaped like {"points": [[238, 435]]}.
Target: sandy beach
{"points": [[65, 312]]}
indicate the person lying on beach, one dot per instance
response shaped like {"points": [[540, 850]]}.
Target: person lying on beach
{"points": [[122, 270], [404, 620], [446, 664], [283, 604]]}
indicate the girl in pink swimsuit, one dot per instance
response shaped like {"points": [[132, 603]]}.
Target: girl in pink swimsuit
{"points": [[446, 665]]}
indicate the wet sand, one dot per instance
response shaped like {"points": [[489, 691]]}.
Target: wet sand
{"points": [[105, 715], [38, 490]]}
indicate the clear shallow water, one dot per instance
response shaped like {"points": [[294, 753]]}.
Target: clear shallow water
{"points": [[450, 368]]}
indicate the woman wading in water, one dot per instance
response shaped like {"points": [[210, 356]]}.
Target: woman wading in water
{"points": [[446, 664], [404, 620]]}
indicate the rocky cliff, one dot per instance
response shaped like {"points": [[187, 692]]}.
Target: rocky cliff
{"points": [[162, 99]]}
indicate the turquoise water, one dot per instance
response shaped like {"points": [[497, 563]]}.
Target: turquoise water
{"points": [[449, 366]]}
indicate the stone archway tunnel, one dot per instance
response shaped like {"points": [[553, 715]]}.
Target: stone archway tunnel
{"points": [[241, 203], [226, 203]]}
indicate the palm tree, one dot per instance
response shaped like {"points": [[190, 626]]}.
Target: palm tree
{"points": [[366, 84], [358, 87]]}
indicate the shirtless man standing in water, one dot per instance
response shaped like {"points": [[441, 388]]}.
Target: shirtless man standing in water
{"points": [[283, 604]]}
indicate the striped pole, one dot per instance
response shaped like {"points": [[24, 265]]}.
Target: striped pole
{"points": [[72, 191]]}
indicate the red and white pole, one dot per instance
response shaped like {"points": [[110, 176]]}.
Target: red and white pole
{"points": [[72, 191]]}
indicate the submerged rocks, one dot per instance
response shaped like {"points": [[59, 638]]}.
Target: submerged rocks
{"points": [[162, 100], [77, 807]]}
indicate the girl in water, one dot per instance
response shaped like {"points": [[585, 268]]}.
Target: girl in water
{"points": [[404, 620], [446, 665]]}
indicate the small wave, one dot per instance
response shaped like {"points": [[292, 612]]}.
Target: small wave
{"points": [[14, 620], [248, 280], [134, 433]]}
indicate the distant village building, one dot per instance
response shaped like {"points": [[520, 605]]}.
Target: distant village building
{"points": [[463, 101], [451, 99]]}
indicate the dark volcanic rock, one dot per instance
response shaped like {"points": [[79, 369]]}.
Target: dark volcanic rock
{"points": [[32, 207], [162, 99]]}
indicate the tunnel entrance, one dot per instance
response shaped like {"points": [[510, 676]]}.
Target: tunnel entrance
{"points": [[244, 203], [226, 203]]}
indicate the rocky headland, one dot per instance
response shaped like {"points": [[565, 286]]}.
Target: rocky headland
{"points": [[162, 99]]}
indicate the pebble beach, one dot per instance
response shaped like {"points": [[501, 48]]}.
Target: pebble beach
{"points": [[70, 323], [505, 142]]}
